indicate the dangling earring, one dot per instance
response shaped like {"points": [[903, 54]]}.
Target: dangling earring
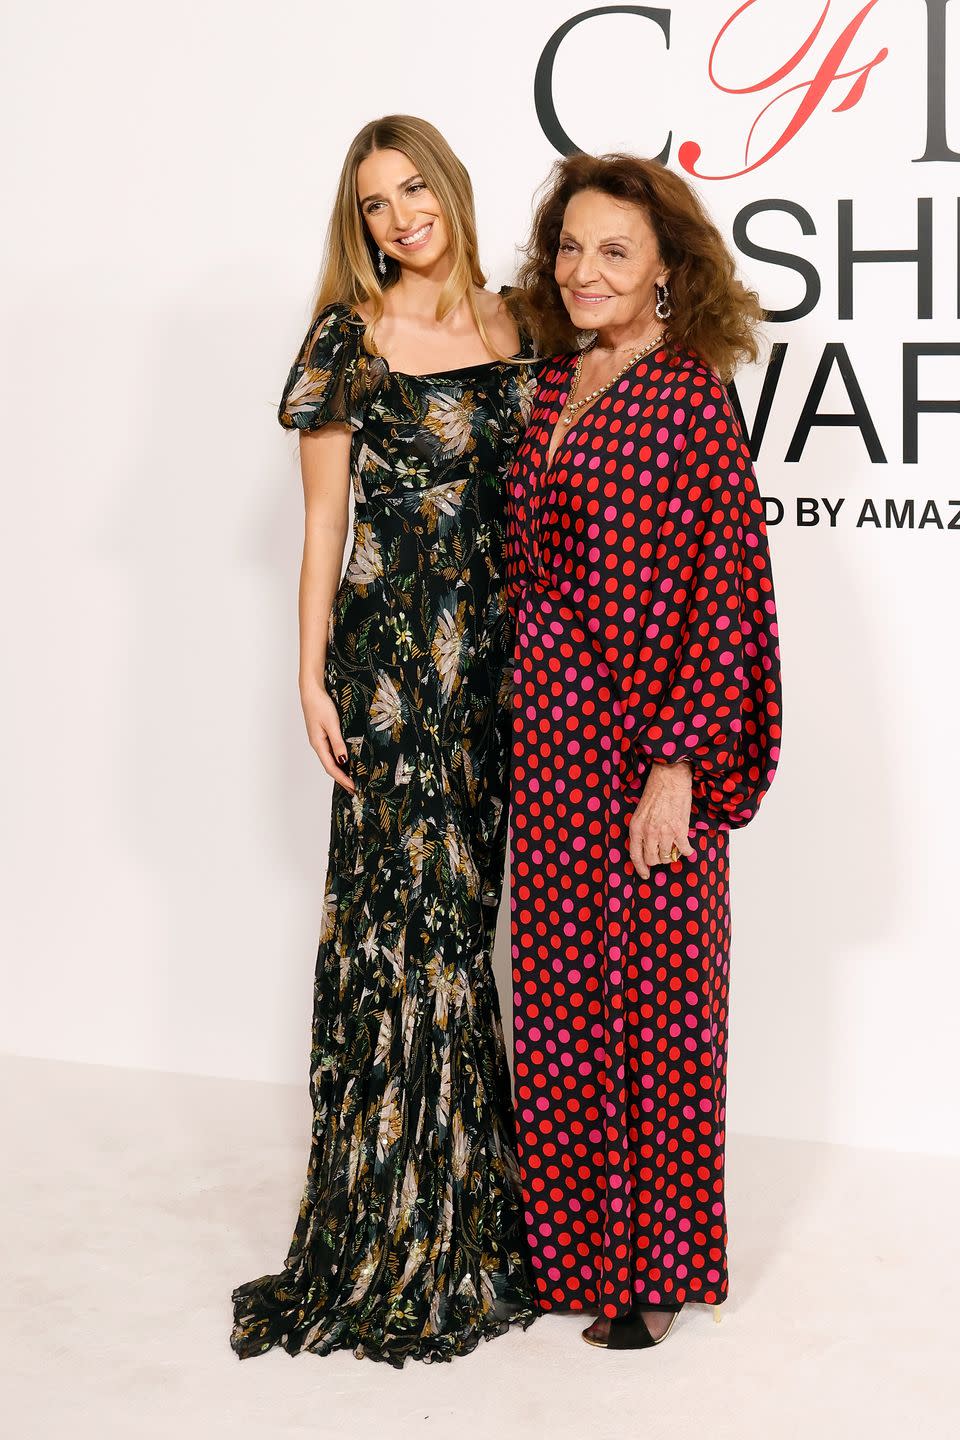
{"points": [[662, 308], [585, 339], [382, 263]]}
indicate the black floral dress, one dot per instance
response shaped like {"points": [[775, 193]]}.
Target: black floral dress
{"points": [[410, 1237]]}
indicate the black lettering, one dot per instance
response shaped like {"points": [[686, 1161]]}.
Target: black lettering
{"points": [[810, 416], [868, 515], [771, 380], [898, 519], [937, 147], [777, 515], [543, 79], [913, 408], [833, 511], [955, 520], [930, 516], [808, 511], [922, 257], [807, 271]]}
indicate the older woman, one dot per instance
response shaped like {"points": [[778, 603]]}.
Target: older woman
{"points": [[646, 726]]}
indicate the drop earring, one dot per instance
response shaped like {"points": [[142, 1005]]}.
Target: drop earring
{"points": [[382, 264], [662, 307]]}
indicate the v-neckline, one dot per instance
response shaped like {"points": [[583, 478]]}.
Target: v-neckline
{"points": [[555, 451]]}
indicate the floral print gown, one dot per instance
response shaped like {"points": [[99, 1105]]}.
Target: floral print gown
{"points": [[646, 633], [409, 1240]]}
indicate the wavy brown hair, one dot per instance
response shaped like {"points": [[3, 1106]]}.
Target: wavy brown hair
{"points": [[714, 314]]}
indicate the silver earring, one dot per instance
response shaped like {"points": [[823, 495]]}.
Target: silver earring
{"points": [[585, 339], [662, 308], [381, 263]]}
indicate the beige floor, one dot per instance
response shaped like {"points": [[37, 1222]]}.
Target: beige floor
{"points": [[133, 1201]]}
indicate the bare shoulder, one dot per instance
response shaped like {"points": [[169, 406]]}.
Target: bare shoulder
{"points": [[498, 321]]}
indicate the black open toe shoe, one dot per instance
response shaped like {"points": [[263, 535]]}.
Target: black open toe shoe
{"points": [[629, 1332]]}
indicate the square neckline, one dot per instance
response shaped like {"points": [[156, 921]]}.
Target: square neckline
{"points": [[443, 374]]}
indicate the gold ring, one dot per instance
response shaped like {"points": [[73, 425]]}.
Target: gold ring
{"points": [[675, 853]]}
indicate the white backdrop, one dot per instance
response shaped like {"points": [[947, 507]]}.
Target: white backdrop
{"points": [[166, 184]]}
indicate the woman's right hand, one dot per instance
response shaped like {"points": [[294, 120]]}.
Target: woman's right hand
{"points": [[323, 732]]}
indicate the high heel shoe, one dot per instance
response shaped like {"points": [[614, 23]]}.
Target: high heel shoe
{"points": [[630, 1332]]}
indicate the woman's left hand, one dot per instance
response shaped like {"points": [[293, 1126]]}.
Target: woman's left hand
{"points": [[662, 819]]}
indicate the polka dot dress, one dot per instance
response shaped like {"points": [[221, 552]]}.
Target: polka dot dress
{"points": [[646, 633]]}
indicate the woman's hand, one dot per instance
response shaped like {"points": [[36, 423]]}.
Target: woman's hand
{"points": [[662, 819], [323, 731]]}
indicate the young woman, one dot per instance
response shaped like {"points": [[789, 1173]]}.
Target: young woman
{"points": [[411, 386], [647, 725]]}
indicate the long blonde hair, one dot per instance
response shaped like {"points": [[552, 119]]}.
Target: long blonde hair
{"points": [[349, 273]]}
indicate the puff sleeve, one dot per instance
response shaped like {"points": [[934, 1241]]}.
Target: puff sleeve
{"points": [[712, 696], [326, 383]]}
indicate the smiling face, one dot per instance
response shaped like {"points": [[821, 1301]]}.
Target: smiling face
{"points": [[608, 263], [403, 217]]}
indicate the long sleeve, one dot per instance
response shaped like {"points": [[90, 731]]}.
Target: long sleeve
{"points": [[688, 621]]}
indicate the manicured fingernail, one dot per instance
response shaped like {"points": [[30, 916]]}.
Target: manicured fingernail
{"points": [[342, 759]]}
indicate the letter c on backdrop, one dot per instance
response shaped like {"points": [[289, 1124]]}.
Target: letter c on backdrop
{"points": [[543, 80]]}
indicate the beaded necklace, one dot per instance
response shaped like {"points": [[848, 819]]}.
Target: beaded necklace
{"points": [[572, 406]]}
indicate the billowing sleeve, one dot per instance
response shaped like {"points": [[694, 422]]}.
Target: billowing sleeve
{"points": [[700, 680], [326, 381]]}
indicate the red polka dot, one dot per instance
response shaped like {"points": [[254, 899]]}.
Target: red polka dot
{"points": [[640, 581]]}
